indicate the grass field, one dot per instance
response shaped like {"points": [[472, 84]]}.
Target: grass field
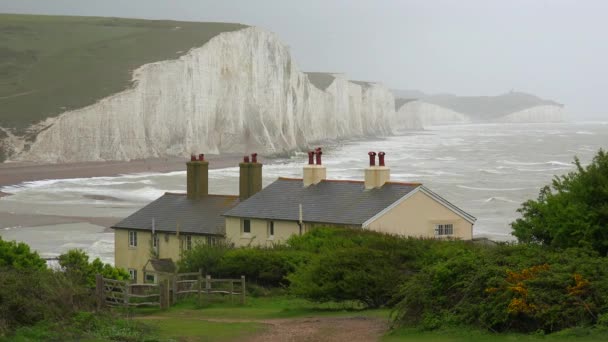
{"points": [[223, 322], [49, 64]]}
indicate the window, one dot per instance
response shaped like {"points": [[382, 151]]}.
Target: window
{"points": [[188, 242], [132, 239], [246, 226], [150, 278], [444, 229], [133, 274], [211, 241], [270, 228]]}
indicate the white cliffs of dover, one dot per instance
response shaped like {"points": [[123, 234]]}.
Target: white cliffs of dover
{"points": [[239, 92]]}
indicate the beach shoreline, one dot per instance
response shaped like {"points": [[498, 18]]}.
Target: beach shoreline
{"points": [[17, 173]]}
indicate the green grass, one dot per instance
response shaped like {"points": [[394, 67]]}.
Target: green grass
{"points": [[197, 330], [464, 335], [49, 64], [258, 308]]}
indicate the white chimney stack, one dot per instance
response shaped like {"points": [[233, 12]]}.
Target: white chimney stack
{"points": [[376, 176]]}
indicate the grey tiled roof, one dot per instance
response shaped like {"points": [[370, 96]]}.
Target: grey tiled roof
{"points": [[163, 265], [202, 216], [330, 201]]}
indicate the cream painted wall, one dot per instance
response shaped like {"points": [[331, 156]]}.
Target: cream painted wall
{"points": [[259, 232], [417, 216], [169, 246]]}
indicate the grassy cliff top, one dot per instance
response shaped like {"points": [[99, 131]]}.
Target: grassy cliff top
{"points": [[50, 64]]}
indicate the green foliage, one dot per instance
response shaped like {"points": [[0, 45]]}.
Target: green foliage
{"points": [[360, 274], [522, 288], [572, 212], [76, 265], [31, 296], [204, 257], [264, 266], [19, 256]]}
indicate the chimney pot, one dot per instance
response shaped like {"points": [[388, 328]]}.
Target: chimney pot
{"points": [[318, 155], [311, 157], [201, 157], [246, 159], [192, 157], [372, 158], [254, 158], [381, 158]]}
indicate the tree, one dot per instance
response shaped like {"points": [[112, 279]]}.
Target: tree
{"points": [[76, 265], [572, 212], [19, 256]]}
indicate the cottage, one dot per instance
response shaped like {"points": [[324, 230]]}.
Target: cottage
{"points": [[175, 222]]}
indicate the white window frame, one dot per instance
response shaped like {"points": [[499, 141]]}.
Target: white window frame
{"points": [[188, 242], [152, 275], [243, 226], [133, 274], [270, 229], [132, 238], [444, 229]]}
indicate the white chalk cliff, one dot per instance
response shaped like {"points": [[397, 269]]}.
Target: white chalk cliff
{"points": [[545, 113], [419, 114], [240, 92]]}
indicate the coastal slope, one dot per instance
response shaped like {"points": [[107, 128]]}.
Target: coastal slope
{"points": [[241, 91]]}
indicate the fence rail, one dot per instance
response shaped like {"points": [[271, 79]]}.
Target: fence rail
{"points": [[112, 292]]}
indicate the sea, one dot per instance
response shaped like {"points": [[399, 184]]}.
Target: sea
{"points": [[487, 170]]}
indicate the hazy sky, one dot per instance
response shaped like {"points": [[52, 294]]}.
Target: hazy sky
{"points": [[556, 49]]}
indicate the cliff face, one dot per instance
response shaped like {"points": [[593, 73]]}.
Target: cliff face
{"points": [[239, 92], [418, 114], [546, 113]]}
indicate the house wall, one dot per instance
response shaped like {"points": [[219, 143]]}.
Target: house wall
{"points": [[417, 216], [259, 232], [169, 246]]}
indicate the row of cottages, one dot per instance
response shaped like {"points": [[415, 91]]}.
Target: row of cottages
{"points": [[148, 241]]}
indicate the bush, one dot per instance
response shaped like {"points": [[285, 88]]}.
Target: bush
{"points": [[75, 264], [359, 274], [18, 256], [572, 212], [204, 257], [523, 288], [263, 266], [31, 296]]}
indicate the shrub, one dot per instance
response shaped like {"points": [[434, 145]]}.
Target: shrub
{"points": [[31, 296], [18, 256], [572, 212], [359, 274], [263, 266], [75, 264], [522, 288], [204, 257]]}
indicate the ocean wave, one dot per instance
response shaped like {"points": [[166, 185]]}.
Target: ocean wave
{"points": [[490, 189], [499, 199], [552, 162], [585, 133]]}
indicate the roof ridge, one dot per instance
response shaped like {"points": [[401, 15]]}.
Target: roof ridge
{"points": [[209, 195], [353, 181]]}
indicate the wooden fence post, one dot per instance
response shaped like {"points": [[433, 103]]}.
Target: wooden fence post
{"points": [[199, 279], [231, 291], [99, 291], [243, 289], [174, 286], [125, 293], [163, 288], [208, 288]]}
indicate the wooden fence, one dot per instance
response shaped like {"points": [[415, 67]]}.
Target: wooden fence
{"points": [[195, 284], [111, 292], [122, 293]]}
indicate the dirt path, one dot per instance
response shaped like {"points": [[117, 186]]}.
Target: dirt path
{"points": [[330, 329]]}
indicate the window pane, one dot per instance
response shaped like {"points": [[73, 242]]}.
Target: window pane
{"points": [[271, 228], [246, 226]]}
